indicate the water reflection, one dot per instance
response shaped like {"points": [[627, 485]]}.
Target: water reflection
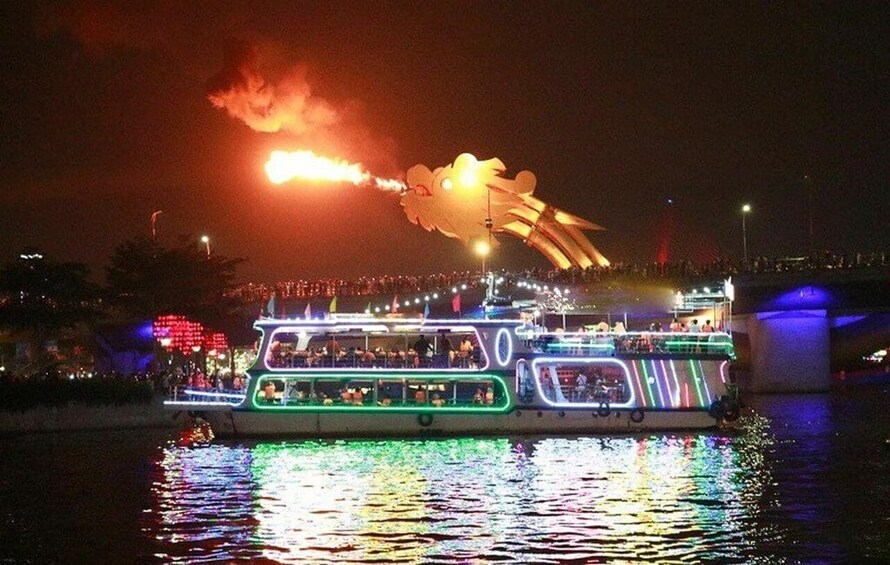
{"points": [[548, 499]]}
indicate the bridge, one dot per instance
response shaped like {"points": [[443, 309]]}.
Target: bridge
{"points": [[792, 330]]}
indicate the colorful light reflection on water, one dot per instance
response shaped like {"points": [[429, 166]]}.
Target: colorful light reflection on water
{"points": [[548, 499]]}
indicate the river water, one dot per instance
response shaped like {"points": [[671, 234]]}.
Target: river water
{"points": [[805, 478]]}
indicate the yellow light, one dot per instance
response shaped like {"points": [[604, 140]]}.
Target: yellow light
{"points": [[204, 239], [482, 248], [447, 184], [468, 178], [746, 208]]}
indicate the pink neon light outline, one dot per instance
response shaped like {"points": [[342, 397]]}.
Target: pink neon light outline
{"points": [[290, 327]]}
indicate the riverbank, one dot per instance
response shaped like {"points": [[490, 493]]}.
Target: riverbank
{"points": [[77, 417]]}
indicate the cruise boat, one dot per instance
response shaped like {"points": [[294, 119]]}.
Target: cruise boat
{"points": [[366, 376]]}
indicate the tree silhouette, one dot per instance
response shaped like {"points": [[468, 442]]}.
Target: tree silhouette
{"points": [[39, 298], [145, 280]]}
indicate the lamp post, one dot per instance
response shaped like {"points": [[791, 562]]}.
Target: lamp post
{"points": [[746, 209], [206, 241]]}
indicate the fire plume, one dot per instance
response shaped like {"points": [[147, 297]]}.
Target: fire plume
{"points": [[284, 166]]}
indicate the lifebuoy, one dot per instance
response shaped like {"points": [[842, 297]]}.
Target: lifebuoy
{"points": [[717, 410], [604, 410], [637, 415], [425, 419]]}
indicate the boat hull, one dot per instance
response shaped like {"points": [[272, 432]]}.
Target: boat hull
{"points": [[240, 423]]}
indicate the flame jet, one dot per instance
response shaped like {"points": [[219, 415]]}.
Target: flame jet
{"points": [[456, 200]]}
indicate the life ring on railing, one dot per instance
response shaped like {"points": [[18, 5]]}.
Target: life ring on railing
{"points": [[731, 414], [637, 415], [425, 419], [717, 410], [603, 411]]}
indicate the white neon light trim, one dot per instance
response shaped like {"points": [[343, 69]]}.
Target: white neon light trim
{"points": [[497, 347], [191, 392], [587, 361], [197, 404], [722, 374]]}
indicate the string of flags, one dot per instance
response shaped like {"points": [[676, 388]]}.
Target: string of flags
{"points": [[397, 303]]}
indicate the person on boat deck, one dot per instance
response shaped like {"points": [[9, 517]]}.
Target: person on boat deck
{"points": [[448, 350], [693, 327], [580, 385], [436, 401], [237, 383], [326, 400], [465, 350], [489, 396], [707, 328], [269, 392], [420, 396], [422, 348], [387, 401], [479, 397], [675, 325], [332, 346], [358, 397], [603, 326]]}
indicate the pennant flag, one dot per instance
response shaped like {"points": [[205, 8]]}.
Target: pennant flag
{"points": [[455, 304], [395, 304], [426, 310], [270, 307], [333, 306], [308, 313]]}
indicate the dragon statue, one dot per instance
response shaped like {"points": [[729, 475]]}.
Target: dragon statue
{"points": [[458, 199]]}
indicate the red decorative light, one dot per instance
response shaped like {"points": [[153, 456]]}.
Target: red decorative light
{"points": [[177, 332]]}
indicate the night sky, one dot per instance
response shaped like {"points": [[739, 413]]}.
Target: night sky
{"points": [[616, 107]]}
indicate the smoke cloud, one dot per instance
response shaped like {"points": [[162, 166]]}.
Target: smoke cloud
{"points": [[286, 105]]}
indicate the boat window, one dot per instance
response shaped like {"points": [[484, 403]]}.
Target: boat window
{"points": [[591, 382], [411, 393], [525, 381]]}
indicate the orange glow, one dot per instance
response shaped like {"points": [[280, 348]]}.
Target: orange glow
{"points": [[284, 166]]}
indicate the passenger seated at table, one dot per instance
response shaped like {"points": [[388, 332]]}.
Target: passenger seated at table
{"points": [[326, 400], [358, 397], [420, 396], [346, 396], [437, 402], [489, 396], [387, 401], [269, 392], [479, 397]]}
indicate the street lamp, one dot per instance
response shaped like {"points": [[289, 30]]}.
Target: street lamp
{"points": [[482, 249], [206, 241], [746, 209]]}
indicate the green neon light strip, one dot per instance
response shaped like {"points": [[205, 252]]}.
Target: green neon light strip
{"points": [[506, 406], [648, 384], [697, 386]]}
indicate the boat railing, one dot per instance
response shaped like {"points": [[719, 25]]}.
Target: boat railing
{"points": [[610, 343], [210, 396], [371, 360]]}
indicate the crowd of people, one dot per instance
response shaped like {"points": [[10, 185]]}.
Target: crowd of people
{"points": [[401, 284]]}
